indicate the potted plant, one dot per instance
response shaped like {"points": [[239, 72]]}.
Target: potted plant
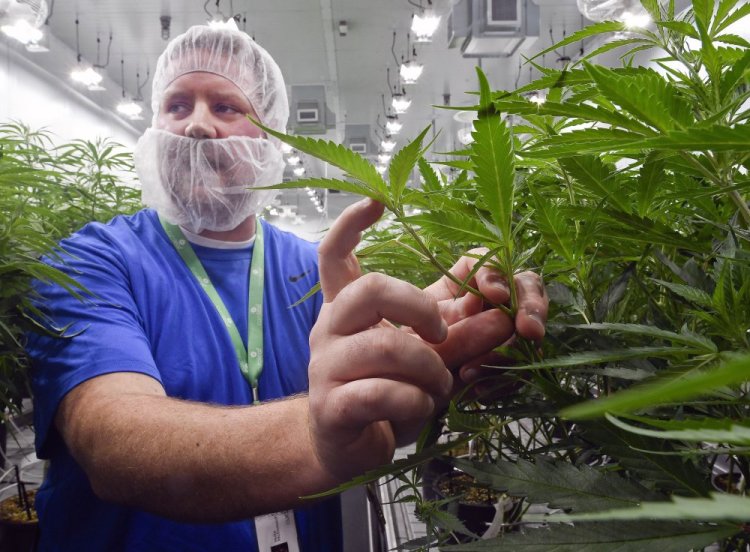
{"points": [[19, 525]]}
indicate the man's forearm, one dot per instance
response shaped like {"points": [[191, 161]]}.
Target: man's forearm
{"points": [[191, 461]]}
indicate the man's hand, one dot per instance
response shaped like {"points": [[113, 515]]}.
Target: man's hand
{"points": [[372, 385]]}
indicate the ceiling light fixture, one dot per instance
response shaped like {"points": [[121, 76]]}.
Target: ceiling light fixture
{"points": [[21, 19], [299, 171], [410, 71], [286, 148], [293, 160], [22, 31], [381, 169], [392, 125], [424, 26], [383, 158], [400, 103], [537, 98], [634, 20], [388, 145]]}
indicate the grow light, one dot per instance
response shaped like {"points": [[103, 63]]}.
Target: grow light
{"points": [[425, 25]]}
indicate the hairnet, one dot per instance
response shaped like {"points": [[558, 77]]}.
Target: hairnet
{"points": [[233, 55]]}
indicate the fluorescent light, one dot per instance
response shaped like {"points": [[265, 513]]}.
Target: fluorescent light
{"points": [[424, 26], [410, 71], [387, 145], [400, 103], [392, 126], [87, 76], [22, 31], [131, 109], [383, 158], [286, 148], [293, 160], [299, 171]]}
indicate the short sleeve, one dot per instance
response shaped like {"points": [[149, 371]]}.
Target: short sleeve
{"points": [[103, 330]]}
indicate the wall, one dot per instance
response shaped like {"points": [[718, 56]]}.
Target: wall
{"points": [[31, 94]]}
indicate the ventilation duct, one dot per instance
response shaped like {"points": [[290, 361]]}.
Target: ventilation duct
{"points": [[493, 28], [309, 113], [359, 138]]}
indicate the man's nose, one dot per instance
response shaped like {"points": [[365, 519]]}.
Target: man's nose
{"points": [[201, 124]]}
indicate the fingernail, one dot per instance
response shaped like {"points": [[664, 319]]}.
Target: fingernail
{"points": [[470, 374], [448, 385], [538, 319]]}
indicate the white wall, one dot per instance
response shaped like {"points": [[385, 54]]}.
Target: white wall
{"points": [[34, 96]]}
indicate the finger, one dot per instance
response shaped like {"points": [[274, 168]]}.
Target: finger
{"points": [[385, 353], [488, 280], [533, 305], [474, 337], [337, 264], [375, 297], [360, 403]]}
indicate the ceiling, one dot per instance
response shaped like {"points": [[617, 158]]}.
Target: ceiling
{"points": [[303, 36]]}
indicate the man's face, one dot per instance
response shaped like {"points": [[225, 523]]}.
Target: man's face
{"points": [[206, 105]]}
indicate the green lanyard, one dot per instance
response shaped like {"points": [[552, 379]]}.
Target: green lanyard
{"points": [[250, 359]]}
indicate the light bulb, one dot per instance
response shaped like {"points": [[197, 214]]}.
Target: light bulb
{"points": [[392, 126], [387, 145], [286, 148], [293, 160], [464, 135], [410, 71], [381, 168], [23, 31], [131, 109], [400, 103], [383, 158], [424, 26], [635, 20], [538, 98], [87, 76], [299, 171]]}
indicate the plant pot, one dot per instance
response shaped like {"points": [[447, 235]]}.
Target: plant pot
{"points": [[16, 533], [480, 508]]}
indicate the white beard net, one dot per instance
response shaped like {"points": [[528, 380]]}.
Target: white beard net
{"points": [[206, 184]]}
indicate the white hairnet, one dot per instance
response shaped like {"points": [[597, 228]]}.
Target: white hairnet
{"points": [[233, 55], [206, 184]]}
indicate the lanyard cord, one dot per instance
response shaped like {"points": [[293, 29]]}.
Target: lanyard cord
{"points": [[250, 358]]}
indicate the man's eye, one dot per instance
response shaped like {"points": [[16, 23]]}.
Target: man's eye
{"points": [[225, 108], [176, 108]]}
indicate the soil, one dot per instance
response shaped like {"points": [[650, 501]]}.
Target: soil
{"points": [[466, 486], [12, 510]]}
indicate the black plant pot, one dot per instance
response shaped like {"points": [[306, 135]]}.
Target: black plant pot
{"points": [[18, 536]]}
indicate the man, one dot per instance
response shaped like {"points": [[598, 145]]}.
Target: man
{"points": [[146, 408]]}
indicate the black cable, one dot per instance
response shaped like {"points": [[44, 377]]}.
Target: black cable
{"points": [[393, 48], [122, 76], [205, 9], [78, 44], [416, 5], [109, 49], [140, 85], [49, 12]]}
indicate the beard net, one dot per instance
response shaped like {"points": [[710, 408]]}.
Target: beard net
{"points": [[206, 184]]}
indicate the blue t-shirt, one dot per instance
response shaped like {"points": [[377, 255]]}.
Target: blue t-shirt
{"points": [[149, 315]]}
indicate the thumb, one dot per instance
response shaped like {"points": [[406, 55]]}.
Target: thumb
{"points": [[338, 264]]}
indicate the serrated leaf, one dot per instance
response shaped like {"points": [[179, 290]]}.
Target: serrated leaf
{"points": [[714, 138], [337, 155], [681, 27], [725, 6], [652, 177], [622, 536], [646, 95], [614, 44], [697, 341], [734, 76], [325, 183], [561, 484], [492, 160], [719, 507], [692, 294], [683, 387], [403, 163], [737, 15], [707, 430], [596, 177], [555, 228], [613, 355], [431, 181], [703, 9], [454, 227], [732, 39]]}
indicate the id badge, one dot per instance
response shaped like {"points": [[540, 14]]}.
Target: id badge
{"points": [[277, 532]]}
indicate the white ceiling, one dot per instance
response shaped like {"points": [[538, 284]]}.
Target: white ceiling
{"points": [[303, 37]]}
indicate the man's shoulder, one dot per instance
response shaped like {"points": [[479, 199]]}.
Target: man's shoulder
{"points": [[289, 242]]}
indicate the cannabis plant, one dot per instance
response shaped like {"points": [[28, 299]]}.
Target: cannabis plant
{"points": [[46, 193], [626, 190]]}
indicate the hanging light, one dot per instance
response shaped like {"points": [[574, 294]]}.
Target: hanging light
{"points": [[410, 71], [299, 171], [286, 148], [424, 26], [400, 103], [22, 31], [381, 168], [614, 10], [537, 98], [131, 109], [387, 145], [464, 135], [393, 126], [383, 158], [88, 76], [636, 20], [293, 160]]}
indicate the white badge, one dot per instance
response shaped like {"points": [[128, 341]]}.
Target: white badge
{"points": [[277, 532]]}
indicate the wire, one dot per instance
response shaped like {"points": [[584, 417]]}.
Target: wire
{"points": [[122, 76], [78, 44], [109, 48], [416, 5], [49, 12], [393, 49], [205, 9], [139, 85]]}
